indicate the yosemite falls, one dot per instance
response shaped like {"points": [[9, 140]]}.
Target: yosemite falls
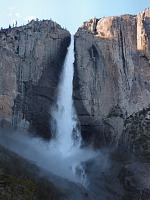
{"points": [[64, 122], [62, 155]]}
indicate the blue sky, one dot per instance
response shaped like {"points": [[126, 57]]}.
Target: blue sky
{"points": [[68, 13]]}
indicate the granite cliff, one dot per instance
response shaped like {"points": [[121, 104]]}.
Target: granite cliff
{"points": [[111, 80], [112, 77], [31, 58], [111, 95]]}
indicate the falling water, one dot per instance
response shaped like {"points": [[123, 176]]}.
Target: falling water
{"points": [[61, 156], [67, 137], [64, 123]]}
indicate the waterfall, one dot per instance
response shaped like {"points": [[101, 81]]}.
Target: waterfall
{"points": [[64, 122], [65, 145], [61, 156]]}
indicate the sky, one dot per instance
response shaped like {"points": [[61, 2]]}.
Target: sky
{"points": [[69, 14]]}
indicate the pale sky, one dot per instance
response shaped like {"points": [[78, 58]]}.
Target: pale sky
{"points": [[69, 14]]}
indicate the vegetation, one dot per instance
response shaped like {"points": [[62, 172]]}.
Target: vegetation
{"points": [[16, 188], [137, 127], [20, 180], [115, 112]]}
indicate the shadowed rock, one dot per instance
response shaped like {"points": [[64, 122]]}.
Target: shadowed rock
{"points": [[31, 59]]}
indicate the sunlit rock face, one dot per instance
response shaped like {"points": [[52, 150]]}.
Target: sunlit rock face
{"points": [[112, 74], [31, 58]]}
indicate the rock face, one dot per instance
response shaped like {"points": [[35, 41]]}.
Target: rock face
{"points": [[112, 74], [31, 58], [135, 178]]}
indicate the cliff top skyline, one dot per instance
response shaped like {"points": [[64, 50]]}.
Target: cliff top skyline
{"points": [[69, 14]]}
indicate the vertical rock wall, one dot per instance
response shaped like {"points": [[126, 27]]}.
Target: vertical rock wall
{"points": [[112, 73], [31, 58]]}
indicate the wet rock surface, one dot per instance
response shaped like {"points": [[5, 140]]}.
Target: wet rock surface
{"points": [[22, 179], [109, 176], [119, 177]]}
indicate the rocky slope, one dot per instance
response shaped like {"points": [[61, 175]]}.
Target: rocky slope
{"points": [[112, 74], [31, 58]]}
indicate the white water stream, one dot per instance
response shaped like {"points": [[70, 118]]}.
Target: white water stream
{"points": [[64, 123], [61, 156], [67, 138]]}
